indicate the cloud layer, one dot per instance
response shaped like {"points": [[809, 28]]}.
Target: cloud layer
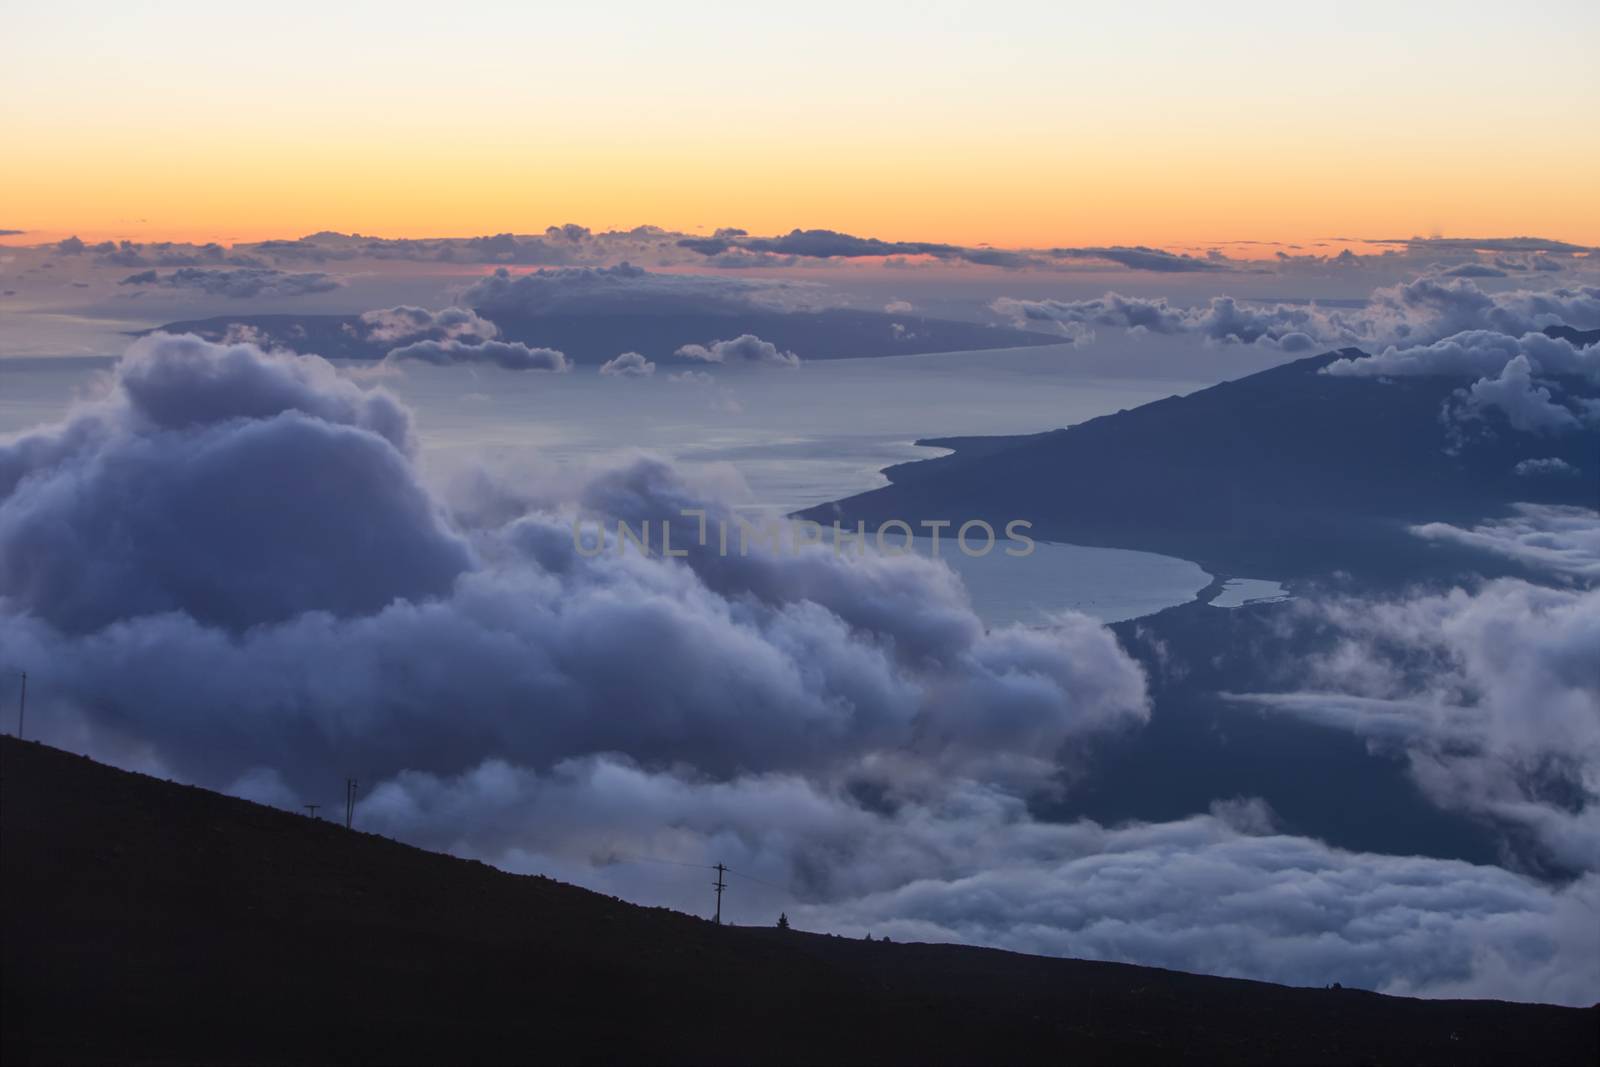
{"points": [[228, 568], [238, 281]]}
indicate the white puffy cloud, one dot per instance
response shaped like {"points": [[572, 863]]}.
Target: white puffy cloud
{"points": [[1527, 405], [1473, 352], [232, 559], [1493, 695], [747, 348], [628, 365], [1410, 314], [402, 324], [1552, 539], [215, 481], [511, 355]]}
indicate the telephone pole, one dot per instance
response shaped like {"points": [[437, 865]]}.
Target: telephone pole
{"points": [[349, 801], [22, 703], [312, 808], [719, 886]]}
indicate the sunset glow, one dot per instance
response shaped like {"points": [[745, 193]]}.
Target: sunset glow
{"points": [[1014, 125]]}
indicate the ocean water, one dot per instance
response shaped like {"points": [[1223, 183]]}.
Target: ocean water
{"points": [[795, 437]]}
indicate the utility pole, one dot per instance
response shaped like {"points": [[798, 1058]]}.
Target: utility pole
{"points": [[349, 801], [312, 808], [22, 703], [719, 886]]}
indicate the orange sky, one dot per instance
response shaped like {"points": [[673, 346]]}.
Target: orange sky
{"points": [[1010, 124]]}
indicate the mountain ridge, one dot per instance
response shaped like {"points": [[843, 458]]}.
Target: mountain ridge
{"points": [[194, 926], [1286, 473]]}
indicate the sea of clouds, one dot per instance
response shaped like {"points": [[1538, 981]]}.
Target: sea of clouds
{"points": [[227, 567]]}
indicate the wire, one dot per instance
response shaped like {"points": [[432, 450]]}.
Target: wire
{"points": [[763, 881]]}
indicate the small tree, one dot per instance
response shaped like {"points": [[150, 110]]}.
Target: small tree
{"points": [[783, 921]]}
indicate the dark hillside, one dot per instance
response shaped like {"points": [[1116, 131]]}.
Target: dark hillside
{"points": [[146, 921]]}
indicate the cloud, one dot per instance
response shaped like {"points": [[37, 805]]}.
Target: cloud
{"points": [[746, 348], [1508, 364], [1473, 352], [1221, 320], [1405, 316], [1139, 257], [1556, 540], [1427, 309], [628, 365], [510, 355], [1492, 694], [626, 288], [231, 560], [398, 325], [239, 282], [1488, 244], [899, 307], [236, 487], [1551, 467], [1527, 405], [169, 254], [737, 248], [1473, 270], [229, 568]]}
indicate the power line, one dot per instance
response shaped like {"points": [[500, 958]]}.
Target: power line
{"points": [[722, 869], [763, 881]]}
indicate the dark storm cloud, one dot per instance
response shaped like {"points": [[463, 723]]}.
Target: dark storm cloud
{"points": [[238, 282]]}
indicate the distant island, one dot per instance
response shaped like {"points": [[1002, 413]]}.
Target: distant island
{"points": [[1288, 474], [591, 339]]}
